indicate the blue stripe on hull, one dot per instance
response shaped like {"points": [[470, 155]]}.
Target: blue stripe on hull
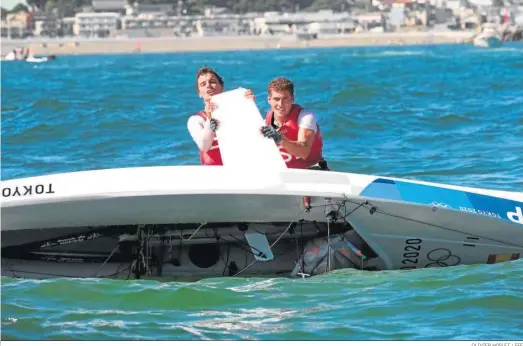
{"points": [[454, 199]]}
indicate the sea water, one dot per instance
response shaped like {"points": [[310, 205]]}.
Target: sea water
{"points": [[449, 114]]}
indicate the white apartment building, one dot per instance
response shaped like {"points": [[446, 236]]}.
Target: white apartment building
{"points": [[325, 22], [96, 24], [149, 21], [47, 27]]}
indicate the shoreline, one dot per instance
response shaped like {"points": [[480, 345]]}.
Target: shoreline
{"points": [[82, 46]]}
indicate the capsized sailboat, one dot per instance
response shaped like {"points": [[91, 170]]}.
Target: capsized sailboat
{"points": [[247, 218]]}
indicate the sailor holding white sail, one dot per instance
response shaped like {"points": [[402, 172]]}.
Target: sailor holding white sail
{"points": [[202, 126]]}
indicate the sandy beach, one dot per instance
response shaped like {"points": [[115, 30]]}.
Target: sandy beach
{"points": [[78, 46]]}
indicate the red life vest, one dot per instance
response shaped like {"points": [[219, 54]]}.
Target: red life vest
{"points": [[213, 156], [290, 130]]}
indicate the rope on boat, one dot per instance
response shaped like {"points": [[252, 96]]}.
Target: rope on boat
{"points": [[199, 227], [329, 215], [106, 260], [275, 242], [373, 209], [328, 245]]}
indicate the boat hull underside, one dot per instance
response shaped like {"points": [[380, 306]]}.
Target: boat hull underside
{"points": [[377, 235], [175, 251]]}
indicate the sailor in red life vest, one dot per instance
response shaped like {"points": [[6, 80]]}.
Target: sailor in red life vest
{"points": [[296, 133], [293, 128], [202, 126]]}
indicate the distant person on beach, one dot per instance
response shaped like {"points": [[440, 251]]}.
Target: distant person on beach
{"points": [[202, 126]]}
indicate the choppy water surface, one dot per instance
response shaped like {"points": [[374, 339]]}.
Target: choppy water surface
{"points": [[451, 114]]}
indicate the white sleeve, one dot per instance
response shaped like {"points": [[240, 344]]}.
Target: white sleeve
{"points": [[307, 120], [200, 131]]}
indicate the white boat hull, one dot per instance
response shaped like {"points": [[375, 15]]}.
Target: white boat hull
{"points": [[402, 224], [31, 59], [487, 41], [11, 56]]}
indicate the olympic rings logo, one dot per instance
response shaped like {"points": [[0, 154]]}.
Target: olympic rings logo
{"points": [[441, 205], [442, 258]]}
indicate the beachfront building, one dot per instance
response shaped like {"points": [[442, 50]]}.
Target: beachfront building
{"points": [[397, 16], [468, 18], [222, 24], [148, 25], [46, 24], [316, 28], [96, 24], [68, 26], [262, 26], [13, 29], [17, 25], [321, 22], [371, 21], [420, 14], [149, 20], [157, 20], [219, 21], [49, 28]]}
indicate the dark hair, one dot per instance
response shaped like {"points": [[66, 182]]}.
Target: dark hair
{"points": [[281, 84], [205, 70]]}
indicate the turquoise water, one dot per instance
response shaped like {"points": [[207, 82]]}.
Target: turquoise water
{"points": [[451, 114]]}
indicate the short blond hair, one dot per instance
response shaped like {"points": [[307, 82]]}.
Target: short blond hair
{"points": [[281, 84]]}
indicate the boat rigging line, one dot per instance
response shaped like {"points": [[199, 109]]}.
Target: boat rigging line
{"points": [[373, 209], [275, 242]]}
